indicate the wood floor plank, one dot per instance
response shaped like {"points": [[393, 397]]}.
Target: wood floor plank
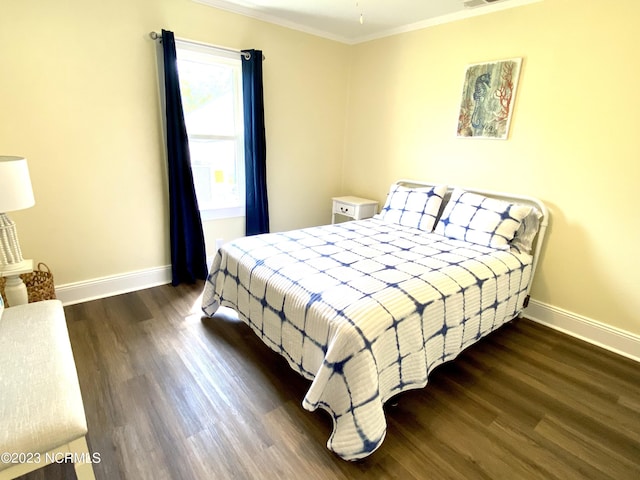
{"points": [[170, 395], [591, 455]]}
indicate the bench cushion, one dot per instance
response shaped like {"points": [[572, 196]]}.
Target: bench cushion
{"points": [[40, 401]]}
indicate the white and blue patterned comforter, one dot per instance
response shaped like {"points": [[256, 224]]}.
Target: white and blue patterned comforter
{"points": [[366, 310]]}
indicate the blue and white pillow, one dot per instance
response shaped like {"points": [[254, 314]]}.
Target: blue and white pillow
{"points": [[1, 306], [413, 207], [481, 220]]}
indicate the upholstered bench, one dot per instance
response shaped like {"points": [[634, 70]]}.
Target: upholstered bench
{"points": [[42, 417]]}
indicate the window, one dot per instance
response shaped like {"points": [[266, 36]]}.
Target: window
{"points": [[211, 89]]}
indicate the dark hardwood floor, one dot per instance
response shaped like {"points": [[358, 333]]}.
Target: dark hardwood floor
{"points": [[171, 396]]}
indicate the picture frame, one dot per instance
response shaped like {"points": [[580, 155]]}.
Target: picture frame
{"points": [[488, 98]]}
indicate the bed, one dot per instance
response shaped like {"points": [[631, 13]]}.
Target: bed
{"points": [[366, 309]]}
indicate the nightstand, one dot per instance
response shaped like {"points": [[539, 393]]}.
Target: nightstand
{"points": [[355, 208]]}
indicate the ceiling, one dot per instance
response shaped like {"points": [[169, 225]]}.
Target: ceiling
{"points": [[340, 19]]}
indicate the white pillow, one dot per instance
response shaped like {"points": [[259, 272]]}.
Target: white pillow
{"points": [[523, 240], [1, 306], [482, 220], [413, 207]]}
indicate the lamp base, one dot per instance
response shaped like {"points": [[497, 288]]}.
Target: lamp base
{"points": [[24, 266], [14, 289]]}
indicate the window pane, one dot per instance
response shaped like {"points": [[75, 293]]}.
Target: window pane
{"points": [[215, 161], [207, 98]]}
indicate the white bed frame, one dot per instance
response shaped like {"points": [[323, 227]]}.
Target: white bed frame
{"points": [[509, 197]]}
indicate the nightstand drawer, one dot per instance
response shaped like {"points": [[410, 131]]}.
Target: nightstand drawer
{"points": [[344, 209], [355, 208]]}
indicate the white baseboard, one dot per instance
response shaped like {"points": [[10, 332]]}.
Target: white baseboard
{"points": [[72, 293], [610, 338]]}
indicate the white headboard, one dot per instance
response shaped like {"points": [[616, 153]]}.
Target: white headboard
{"points": [[509, 197]]}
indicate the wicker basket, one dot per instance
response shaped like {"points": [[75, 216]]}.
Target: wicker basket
{"points": [[39, 284]]}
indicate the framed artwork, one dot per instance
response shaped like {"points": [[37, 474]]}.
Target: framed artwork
{"points": [[488, 96]]}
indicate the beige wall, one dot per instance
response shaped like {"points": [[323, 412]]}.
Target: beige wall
{"points": [[78, 93], [573, 143], [79, 99]]}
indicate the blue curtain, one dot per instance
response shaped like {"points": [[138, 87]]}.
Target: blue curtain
{"points": [[255, 151], [188, 254]]}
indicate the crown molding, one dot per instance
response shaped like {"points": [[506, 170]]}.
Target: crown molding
{"points": [[443, 19], [265, 17], [454, 17]]}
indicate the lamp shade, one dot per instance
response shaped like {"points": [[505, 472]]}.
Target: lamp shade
{"points": [[15, 184]]}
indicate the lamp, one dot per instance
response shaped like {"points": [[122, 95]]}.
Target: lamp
{"points": [[15, 194]]}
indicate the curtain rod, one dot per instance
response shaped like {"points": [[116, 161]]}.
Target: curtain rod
{"points": [[246, 55]]}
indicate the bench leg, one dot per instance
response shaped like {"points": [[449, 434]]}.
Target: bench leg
{"points": [[84, 470]]}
